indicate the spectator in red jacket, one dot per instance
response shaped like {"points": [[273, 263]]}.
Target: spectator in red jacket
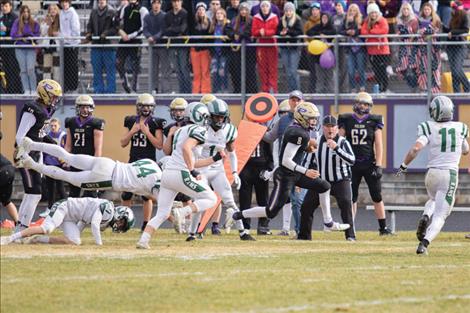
{"points": [[265, 24], [379, 55]]}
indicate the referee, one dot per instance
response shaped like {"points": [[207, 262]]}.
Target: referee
{"points": [[334, 159]]}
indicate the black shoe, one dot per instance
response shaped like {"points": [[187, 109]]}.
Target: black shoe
{"points": [[385, 232], [191, 237], [126, 86], [263, 232], [215, 230], [237, 215], [421, 250], [422, 227], [247, 237]]}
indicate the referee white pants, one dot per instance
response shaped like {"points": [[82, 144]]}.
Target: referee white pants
{"points": [[441, 185]]}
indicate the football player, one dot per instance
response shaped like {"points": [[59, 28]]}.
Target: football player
{"points": [[221, 135], [180, 173], [145, 134], [364, 131], [141, 177], [208, 97], [290, 173], [34, 124], [447, 141], [84, 136], [73, 215]]}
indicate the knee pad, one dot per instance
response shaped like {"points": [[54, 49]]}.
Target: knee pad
{"points": [[126, 196]]}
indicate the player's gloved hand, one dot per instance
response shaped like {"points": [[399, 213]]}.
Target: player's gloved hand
{"points": [[236, 180], [266, 175], [401, 170], [377, 172], [195, 173]]}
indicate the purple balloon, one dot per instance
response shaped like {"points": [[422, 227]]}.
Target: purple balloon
{"points": [[327, 59]]}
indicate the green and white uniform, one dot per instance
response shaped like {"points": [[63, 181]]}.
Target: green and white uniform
{"points": [[446, 142]]}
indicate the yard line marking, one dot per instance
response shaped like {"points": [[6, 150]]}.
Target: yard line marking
{"points": [[379, 302]]}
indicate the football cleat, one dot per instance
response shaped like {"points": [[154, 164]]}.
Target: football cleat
{"points": [[142, 245], [283, 233], [237, 215], [229, 220], [247, 237], [215, 230], [352, 239], [178, 220], [421, 250], [385, 232], [24, 147], [24, 161], [467, 236], [422, 227], [263, 232], [191, 237], [336, 227]]}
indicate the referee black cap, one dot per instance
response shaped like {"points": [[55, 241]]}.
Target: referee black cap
{"points": [[330, 120]]}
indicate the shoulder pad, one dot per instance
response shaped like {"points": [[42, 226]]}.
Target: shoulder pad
{"points": [[231, 133], [424, 129], [98, 123], [198, 133], [464, 130]]}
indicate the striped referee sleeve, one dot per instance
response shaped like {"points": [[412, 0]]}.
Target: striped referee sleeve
{"points": [[344, 151]]}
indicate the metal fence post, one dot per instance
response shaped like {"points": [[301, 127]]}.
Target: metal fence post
{"points": [[336, 74], [243, 75], [151, 70], [61, 70], [429, 69]]}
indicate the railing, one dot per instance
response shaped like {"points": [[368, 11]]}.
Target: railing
{"points": [[238, 60]]}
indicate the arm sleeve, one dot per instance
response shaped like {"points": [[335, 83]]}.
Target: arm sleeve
{"points": [[27, 121], [95, 227], [75, 25], [276, 153], [233, 161], [465, 147], [287, 158], [345, 152]]}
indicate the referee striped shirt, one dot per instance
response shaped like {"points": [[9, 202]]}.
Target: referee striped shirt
{"points": [[335, 165]]}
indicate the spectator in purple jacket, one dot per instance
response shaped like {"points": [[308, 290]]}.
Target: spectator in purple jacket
{"points": [[23, 27]]}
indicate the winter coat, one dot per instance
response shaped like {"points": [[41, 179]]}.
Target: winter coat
{"points": [[379, 28], [270, 27], [101, 24], [293, 30], [27, 32]]}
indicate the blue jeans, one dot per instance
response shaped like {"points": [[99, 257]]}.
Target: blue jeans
{"points": [[296, 199], [456, 57], [357, 63], [180, 60], [219, 73], [445, 13], [104, 59], [290, 60], [27, 61]]}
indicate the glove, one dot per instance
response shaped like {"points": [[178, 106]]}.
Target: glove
{"points": [[236, 180], [401, 170], [195, 173], [377, 172], [266, 175]]}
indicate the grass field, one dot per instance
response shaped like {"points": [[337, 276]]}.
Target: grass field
{"points": [[223, 274]]}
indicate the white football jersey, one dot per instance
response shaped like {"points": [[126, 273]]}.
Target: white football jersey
{"points": [[83, 209], [140, 177], [445, 142], [217, 140], [176, 162]]}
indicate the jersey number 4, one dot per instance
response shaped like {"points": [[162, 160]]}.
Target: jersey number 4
{"points": [[443, 132], [359, 136], [143, 171]]}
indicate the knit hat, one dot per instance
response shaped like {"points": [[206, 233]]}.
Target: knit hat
{"points": [[373, 7], [201, 4], [244, 5], [289, 6], [342, 2], [265, 3], [316, 5]]}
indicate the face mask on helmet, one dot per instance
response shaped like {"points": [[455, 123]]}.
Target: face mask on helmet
{"points": [[50, 93], [219, 112], [123, 219], [362, 108], [145, 109], [84, 110], [178, 109], [307, 115]]}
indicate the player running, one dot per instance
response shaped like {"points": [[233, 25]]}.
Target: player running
{"points": [[73, 215], [447, 142]]}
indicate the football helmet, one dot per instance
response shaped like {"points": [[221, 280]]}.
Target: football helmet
{"points": [[218, 108], [123, 219], [145, 105], [107, 211], [307, 115], [208, 97], [177, 109], [441, 109], [84, 101], [362, 97], [50, 92], [284, 107], [198, 113]]}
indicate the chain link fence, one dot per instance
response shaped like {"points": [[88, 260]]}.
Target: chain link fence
{"points": [[414, 65]]}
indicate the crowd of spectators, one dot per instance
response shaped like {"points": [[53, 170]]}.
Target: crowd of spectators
{"points": [[203, 68]]}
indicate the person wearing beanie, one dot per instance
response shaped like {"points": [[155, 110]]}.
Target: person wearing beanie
{"points": [[232, 9], [265, 24], [200, 55], [274, 8], [290, 26], [379, 55]]}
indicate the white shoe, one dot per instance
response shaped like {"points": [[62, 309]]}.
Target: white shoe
{"points": [[24, 147], [5, 240], [142, 245], [336, 227], [229, 220], [178, 220]]}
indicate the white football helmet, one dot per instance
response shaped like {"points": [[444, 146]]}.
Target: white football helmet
{"points": [[441, 109], [198, 113], [123, 219]]}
